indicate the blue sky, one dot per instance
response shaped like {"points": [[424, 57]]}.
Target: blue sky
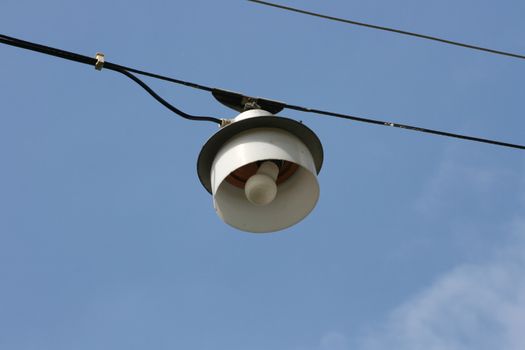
{"points": [[108, 240]]}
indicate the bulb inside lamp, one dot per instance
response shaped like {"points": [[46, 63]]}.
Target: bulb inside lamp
{"points": [[261, 189]]}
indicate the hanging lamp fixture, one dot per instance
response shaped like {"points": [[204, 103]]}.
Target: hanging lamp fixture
{"points": [[261, 169]]}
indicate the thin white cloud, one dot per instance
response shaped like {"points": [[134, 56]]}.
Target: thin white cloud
{"points": [[472, 307], [459, 180], [477, 306]]}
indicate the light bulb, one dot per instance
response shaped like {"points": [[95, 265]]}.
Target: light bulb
{"points": [[261, 189]]}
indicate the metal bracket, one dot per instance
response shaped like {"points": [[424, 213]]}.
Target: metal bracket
{"points": [[225, 122], [242, 103], [100, 61], [250, 103]]}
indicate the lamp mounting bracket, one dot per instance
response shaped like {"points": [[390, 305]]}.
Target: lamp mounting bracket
{"points": [[241, 103]]}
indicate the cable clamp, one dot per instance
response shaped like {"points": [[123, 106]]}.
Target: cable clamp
{"points": [[225, 122], [100, 61]]}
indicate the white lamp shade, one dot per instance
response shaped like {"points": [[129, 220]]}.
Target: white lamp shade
{"points": [[296, 196]]}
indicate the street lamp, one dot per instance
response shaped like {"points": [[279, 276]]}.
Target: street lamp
{"points": [[261, 170]]}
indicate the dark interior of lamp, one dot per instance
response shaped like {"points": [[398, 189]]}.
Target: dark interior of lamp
{"points": [[239, 177]]}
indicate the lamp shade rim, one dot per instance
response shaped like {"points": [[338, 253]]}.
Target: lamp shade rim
{"points": [[217, 140]]}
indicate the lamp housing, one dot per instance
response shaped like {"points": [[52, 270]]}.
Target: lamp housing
{"points": [[239, 152]]}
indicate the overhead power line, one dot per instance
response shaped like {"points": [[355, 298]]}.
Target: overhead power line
{"points": [[127, 71], [111, 66], [387, 29]]}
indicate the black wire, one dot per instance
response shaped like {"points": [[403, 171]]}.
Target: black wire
{"points": [[47, 50], [110, 66], [161, 77], [404, 126], [126, 71], [163, 101], [393, 30]]}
